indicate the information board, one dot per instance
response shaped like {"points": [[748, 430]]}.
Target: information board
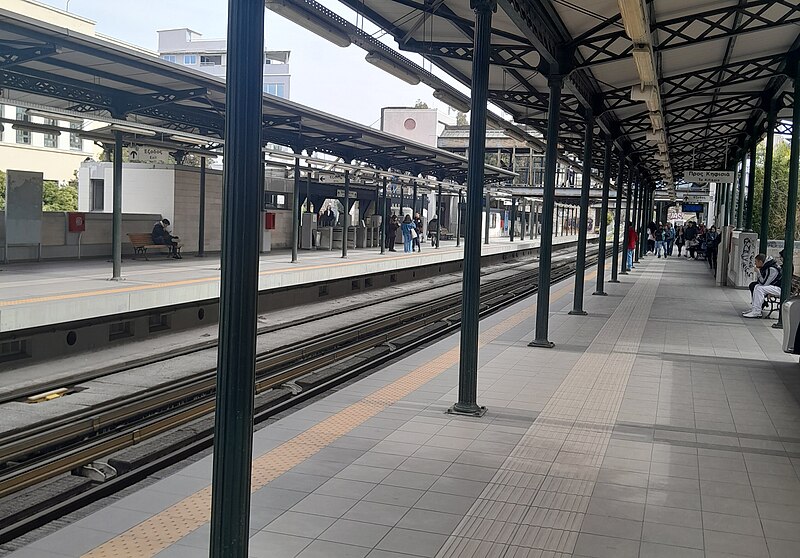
{"points": [[23, 207], [720, 177]]}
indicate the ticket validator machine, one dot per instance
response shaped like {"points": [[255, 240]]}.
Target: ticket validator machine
{"points": [[791, 326]]}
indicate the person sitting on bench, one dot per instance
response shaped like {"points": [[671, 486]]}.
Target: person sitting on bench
{"points": [[162, 236], [769, 283]]}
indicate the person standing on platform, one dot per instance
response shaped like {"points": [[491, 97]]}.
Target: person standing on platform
{"points": [[632, 239], [417, 240], [651, 237], [690, 234], [768, 283], [661, 241], [391, 233], [680, 239], [433, 230], [713, 239], [409, 233], [670, 238]]}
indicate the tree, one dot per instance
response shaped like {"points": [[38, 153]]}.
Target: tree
{"points": [[779, 191], [420, 104], [461, 119], [55, 196]]}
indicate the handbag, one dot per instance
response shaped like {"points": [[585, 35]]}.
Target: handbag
{"points": [[413, 234]]}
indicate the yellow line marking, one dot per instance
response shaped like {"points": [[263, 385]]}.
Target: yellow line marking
{"points": [[153, 535]]}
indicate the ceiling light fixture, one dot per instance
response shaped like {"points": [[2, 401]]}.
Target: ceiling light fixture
{"points": [[309, 21], [391, 67], [132, 130], [451, 100]]}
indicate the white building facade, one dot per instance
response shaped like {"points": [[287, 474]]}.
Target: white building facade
{"points": [[188, 48]]}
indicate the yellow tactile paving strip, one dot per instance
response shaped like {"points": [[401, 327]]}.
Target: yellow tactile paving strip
{"points": [[536, 502], [182, 282], [169, 526]]}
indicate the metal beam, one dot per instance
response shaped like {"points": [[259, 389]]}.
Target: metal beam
{"points": [[10, 56]]}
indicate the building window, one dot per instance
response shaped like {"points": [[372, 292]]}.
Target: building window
{"points": [[23, 136], [190, 59], [169, 57], [277, 89], [211, 60], [97, 193], [50, 140], [75, 142]]}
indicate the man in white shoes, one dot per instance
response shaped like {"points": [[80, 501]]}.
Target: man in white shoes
{"points": [[769, 282]]}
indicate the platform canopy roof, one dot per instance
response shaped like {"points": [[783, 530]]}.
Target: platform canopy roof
{"points": [[717, 66], [49, 67]]}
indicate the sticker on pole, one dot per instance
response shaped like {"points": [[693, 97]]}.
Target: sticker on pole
{"points": [[720, 177]]}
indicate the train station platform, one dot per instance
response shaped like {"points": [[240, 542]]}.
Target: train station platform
{"points": [[36, 294], [663, 424]]}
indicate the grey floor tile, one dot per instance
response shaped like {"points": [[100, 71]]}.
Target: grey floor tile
{"points": [[72, 541], [612, 527], [616, 508], [113, 519], [363, 473], [597, 546], [673, 535], [421, 465], [470, 472], [448, 503], [345, 488], [673, 516], [779, 548], [732, 524], [416, 543], [382, 460], [179, 551], [298, 481], [268, 545], [430, 521], [376, 512], [741, 545], [394, 495], [460, 487], [276, 498], [730, 506], [355, 533], [781, 530], [300, 524], [321, 504], [409, 479], [327, 549], [654, 550]]}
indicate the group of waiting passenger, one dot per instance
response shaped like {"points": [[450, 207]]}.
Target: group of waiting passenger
{"points": [[662, 239], [412, 230]]}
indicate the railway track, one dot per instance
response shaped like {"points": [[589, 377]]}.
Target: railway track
{"points": [[283, 378]]}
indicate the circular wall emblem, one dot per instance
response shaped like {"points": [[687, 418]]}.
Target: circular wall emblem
{"points": [[410, 124]]}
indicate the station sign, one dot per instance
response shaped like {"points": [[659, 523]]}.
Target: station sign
{"points": [[340, 194], [718, 176], [146, 154]]}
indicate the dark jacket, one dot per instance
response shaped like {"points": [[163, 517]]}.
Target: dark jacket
{"points": [[770, 273], [712, 240], [160, 234], [690, 233]]}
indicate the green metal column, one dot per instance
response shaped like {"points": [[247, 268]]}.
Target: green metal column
{"points": [[549, 191], [791, 203], [241, 216], [512, 217], [201, 222], [488, 199], [116, 217], [732, 197], [534, 217], [615, 264], [740, 205], [635, 213], [402, 202], [751, 187], [471, 278], [624, 264], [414, 201], [346, 223], [586, 179], [458, 213], [296, 209], [439, 212], [384, 227], [603, 240], [766, 198]]}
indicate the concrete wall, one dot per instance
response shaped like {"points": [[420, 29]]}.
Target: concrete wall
{"points": [[418, 125], [146, 188], [58, 243], [185, 221]]}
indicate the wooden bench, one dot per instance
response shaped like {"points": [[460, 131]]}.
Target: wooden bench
{"points": [[444, 234], [144, 241]]}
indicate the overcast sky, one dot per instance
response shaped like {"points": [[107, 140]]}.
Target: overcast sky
{"points": [[324, 76]]}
